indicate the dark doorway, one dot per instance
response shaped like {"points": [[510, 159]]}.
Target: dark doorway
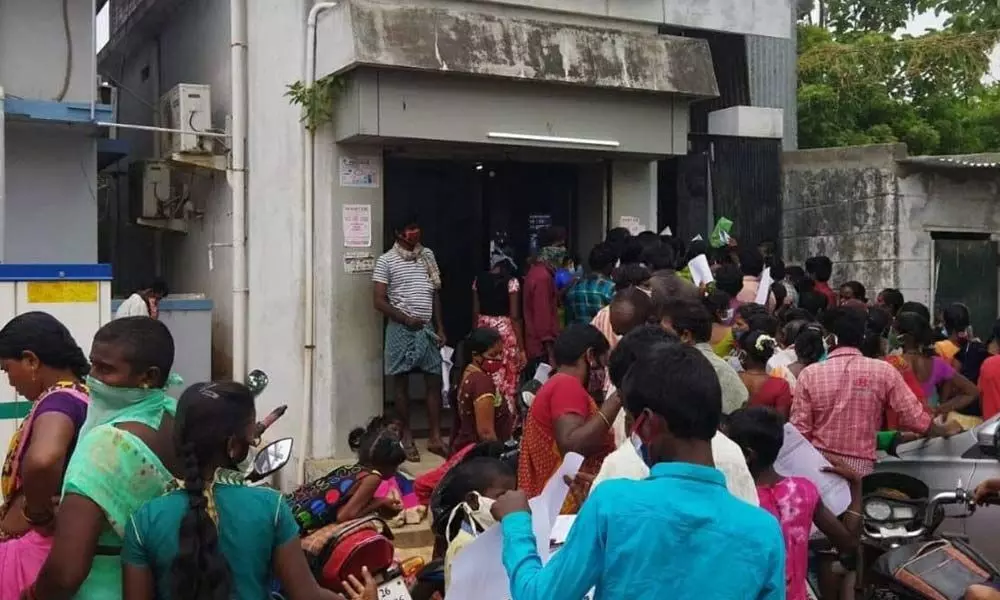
{"points": [[966, 272], [462, 204]]}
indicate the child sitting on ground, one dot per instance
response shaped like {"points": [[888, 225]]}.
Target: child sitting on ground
{"points": [[794, 501], [351, 491]]}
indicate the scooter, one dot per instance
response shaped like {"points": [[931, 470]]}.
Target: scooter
{"points": [[901, 556]]}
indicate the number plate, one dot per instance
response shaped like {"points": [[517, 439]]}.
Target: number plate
{"points": [[394, 590]]}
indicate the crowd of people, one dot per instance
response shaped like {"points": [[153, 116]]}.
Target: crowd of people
{"points": [[677, 395]]}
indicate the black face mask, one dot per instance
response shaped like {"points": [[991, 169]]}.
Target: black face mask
{"points": [[241, 454]]}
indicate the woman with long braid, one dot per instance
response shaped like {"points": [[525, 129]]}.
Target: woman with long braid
{"points": [[211, 537]]}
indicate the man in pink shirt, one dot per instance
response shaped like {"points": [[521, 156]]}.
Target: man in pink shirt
{"points": [[752, 265]]}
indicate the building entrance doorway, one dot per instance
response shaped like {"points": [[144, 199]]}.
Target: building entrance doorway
{"points": [[464, 204]]}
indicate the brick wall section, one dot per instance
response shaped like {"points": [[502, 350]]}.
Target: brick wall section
{"points": [[842, 203]]}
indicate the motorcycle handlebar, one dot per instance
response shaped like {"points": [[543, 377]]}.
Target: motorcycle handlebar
{"points": [[959, 496]]}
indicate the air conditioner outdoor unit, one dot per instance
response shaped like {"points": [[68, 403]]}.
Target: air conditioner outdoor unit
{"points": [[150, 189], [187, 107]]}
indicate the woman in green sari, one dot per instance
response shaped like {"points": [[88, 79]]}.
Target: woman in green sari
{"points": [[125, 457]]}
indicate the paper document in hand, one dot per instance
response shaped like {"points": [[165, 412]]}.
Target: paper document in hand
{"points": [[477, 572], [447, 362], [542, 372], [701, 272], [800, 459], [766, 281], [560, 530]]}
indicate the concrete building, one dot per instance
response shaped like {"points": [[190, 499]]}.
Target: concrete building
{"points": [[48, 146], [477, 115], [927, 225]]}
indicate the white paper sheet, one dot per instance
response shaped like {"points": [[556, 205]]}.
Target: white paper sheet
{"points": [[447, 362], [799, 458], [477, 572], [542, 372], [560, 530], [701, 272], [765, 287]]}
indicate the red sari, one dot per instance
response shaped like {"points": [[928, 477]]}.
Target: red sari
{"points": [[774, 393], [891, 418], [540, 456]]}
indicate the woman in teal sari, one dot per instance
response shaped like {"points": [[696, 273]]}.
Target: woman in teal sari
{"points": [[125, 457]]}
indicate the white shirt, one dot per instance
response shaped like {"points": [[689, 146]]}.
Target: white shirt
{"points": [[133, 306], [625, 463]]}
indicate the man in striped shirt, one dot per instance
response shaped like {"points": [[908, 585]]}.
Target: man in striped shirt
{"points": [[407, 281]]}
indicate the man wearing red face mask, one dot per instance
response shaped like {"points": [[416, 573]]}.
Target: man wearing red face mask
{"points": [[407, 281]]}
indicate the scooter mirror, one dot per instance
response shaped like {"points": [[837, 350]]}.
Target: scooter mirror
{"points": [[257, 381], [271, 458]]}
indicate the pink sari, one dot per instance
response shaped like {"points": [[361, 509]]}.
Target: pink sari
{"points": [[21, 558]]}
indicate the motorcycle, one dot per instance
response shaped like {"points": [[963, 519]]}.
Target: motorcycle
{"points": [[901, 556]]}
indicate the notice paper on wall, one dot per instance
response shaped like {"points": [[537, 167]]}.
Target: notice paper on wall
{"points": [[478, 571], [633, 224], [357, 221], [360, 171]]}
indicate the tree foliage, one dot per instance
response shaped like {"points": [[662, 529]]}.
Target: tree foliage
{"points": [[859, 83]]}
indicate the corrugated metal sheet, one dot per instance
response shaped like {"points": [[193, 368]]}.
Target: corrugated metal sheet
{"points": [[729, 53], [772, 79], [745, 184]]}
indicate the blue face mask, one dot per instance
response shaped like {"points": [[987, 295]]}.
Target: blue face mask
{"points": [[640, 448]]}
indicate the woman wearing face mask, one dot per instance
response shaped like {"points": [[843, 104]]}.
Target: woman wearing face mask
{"points": [[564, 417], [482, 414], [125, 457], [211, 536], [44, 365], [463, 500]]}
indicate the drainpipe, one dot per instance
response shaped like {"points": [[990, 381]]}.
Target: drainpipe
{"points": [[93, 59], [309, 196], [3, 170], [238, 180]]}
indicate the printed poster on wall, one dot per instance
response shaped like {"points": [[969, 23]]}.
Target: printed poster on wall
{"points": [[357, 220], [359, 171], [536, 223], [633, 224]]}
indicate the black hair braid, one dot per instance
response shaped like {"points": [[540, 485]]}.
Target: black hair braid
{"points": [[200, 571]]}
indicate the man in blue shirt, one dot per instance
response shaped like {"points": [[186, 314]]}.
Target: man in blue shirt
{"points": [[595, 291], [679, 534]]}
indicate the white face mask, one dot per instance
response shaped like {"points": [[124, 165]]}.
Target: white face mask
{"points": [[481, 518], [729, 315]]}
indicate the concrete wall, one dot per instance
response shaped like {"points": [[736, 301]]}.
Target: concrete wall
{"points": [[944, 201], [634, 192], [51, 208], [192, 47], [761, 17], [841, 202], [429, 106], [33, 49], [275, 215]]}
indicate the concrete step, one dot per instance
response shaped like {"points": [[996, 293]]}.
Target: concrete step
{"points": [[413, 538]]}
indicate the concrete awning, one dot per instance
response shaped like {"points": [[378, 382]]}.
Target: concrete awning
{"points": [[477, 42]]}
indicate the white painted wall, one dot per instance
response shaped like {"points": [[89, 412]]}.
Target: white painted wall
{"points": [[275, 214], [634, 192], [51, 208], [33, 49]]}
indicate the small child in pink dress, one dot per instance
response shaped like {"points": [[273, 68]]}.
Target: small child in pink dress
{"points": [[794, 501]]}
